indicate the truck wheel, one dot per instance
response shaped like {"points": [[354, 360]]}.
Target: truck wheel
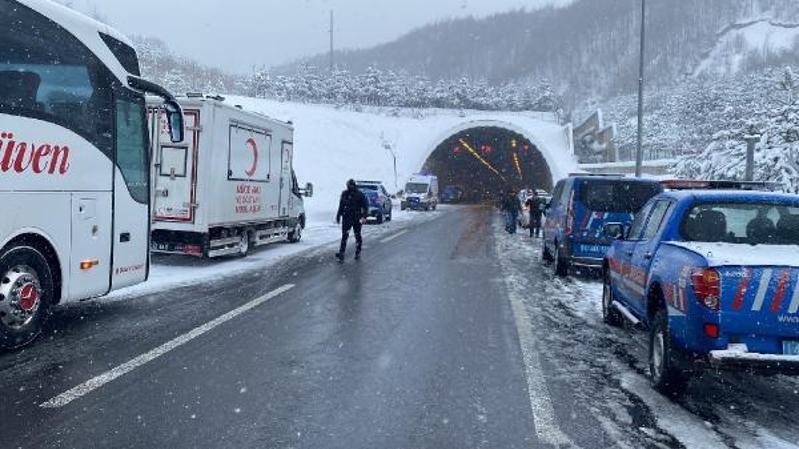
{"points": [[296, 235], [390, 215], [666, 377], [26, 295], [244, 244], [561, 269], [610, 314]]}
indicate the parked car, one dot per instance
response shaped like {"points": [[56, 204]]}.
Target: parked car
{"points": [[713, 277], [380, 205], [581, 206]]}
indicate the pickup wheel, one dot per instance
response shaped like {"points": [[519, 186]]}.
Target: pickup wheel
{"points": [[610, 314], [666, 377], [26, 295]]}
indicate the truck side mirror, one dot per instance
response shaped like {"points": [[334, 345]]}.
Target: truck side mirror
{"points": [[614, 230], [307, 191]]}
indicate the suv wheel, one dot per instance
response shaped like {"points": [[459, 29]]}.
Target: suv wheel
{"points": [[610, 315], [561, 269]]}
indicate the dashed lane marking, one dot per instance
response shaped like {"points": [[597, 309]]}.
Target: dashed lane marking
{"points": [[96, 382], [392, 237]]}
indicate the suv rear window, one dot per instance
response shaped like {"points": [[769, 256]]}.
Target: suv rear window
{"points": [[616, 196], [371, 187], [750, 223]]}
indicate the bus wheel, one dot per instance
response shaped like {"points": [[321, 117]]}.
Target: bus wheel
{"points": [[26, 293]]}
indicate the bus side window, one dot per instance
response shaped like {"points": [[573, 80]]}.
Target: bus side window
{"points": [[47, 74]]}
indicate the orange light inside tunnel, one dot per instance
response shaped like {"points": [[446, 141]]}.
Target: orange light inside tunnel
{"points": [[518, 165], [481, 159]]}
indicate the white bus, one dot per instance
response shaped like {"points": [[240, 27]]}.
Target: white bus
{"points": [[74, 163]]}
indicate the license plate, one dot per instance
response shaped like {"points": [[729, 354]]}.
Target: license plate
{"points": [[593, 249], [790, 347]]}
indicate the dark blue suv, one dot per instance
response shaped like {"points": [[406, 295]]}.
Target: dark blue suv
{"points": [[581, 206], [380, 205]]}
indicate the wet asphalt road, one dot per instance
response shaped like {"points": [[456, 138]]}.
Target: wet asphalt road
{"points": [[415, 346]]}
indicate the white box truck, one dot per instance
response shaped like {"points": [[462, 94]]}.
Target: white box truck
{"points": [[73, 163], [229, 186], [421, 193]]}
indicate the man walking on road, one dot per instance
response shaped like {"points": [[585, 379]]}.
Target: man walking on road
{"points": [[536, 206], [511, 207], [353, 208]]}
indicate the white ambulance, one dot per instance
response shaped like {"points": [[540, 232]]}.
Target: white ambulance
{"points": [[74, 167], [229, 186]]}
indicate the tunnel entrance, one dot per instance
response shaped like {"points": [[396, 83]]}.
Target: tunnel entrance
{"points": [[485, 161]]}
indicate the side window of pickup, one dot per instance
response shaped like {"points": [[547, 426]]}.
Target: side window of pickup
{"points": [[656, 219], [638, 224]]}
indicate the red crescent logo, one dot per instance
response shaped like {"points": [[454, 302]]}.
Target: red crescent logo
{"points": [[251, 171]]}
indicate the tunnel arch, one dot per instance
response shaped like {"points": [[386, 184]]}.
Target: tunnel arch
{"points": [[538, 166]]}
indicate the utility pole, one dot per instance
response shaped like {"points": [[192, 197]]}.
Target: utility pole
{"points": [[751, 140], [639, 150], [331, 41]]}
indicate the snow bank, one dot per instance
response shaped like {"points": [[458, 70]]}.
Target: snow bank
{"points": [[334, 144]]}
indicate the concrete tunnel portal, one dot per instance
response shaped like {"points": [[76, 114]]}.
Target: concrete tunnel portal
{"points": [[487, 160]]}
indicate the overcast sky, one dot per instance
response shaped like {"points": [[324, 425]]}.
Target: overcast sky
{"points": [[238, 35]]}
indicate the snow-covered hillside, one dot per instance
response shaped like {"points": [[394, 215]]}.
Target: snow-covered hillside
{"points": [[335, 144], [749, 43]]}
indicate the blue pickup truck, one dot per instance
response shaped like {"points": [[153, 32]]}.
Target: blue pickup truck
{"points": [[713, 275]]}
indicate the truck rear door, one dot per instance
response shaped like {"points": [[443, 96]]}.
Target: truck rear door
{"points": [[175, 176]]}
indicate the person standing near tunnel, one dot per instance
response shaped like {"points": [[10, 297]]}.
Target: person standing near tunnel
{"points": [[353, 208], [511, 206], [535, 205]]}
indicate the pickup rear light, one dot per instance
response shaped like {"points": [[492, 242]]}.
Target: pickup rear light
{"points": [[707, 287]]}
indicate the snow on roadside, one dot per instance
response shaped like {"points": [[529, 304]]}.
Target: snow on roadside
{"points": [[169, 272], [606, 368], [691, 431]]}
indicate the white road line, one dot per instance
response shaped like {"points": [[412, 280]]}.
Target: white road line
{"points": [[392, 237], [109, 376], [544, 418]]}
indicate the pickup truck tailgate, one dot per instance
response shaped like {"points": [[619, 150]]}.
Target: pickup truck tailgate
{"points": [[760, 301]]}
